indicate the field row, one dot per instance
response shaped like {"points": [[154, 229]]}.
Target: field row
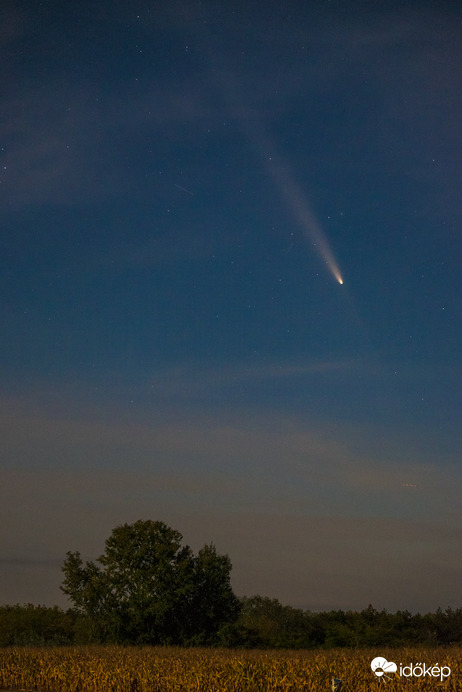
{"points": [[148, 669]]}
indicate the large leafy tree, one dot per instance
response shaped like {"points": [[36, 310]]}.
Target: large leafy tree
{"points": [[148, 587], [213, 601]]}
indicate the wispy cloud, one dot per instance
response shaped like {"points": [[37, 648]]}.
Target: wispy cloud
{"points": [[61, 142], [305, 507], [192, 379]]}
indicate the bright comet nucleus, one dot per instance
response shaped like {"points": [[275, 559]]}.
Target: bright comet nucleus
{"points": [[334, 269]]}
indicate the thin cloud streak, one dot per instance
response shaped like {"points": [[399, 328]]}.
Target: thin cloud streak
{"points": [[194, 380]]}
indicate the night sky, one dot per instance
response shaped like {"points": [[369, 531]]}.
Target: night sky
{"points": [[184, 186]]}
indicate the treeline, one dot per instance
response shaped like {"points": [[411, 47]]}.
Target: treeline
{"points": [[261, 623], [149, 588], [266, 623]]}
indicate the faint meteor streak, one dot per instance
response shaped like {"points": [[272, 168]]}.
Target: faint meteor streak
{"points": [[180, 187]]}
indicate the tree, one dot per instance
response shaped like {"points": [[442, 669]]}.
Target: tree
{"points": [[269, 624], [149, 588], [213, 598], [30, 625]]}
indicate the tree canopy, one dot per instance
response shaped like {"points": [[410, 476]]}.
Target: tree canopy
{"points": [[149, 588]]}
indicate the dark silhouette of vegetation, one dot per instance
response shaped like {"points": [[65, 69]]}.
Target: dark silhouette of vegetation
{"points": [[263, 623], [149, 589], [30, 625]]}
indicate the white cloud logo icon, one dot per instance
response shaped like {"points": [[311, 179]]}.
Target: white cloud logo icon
{"points": [[381, 666]]}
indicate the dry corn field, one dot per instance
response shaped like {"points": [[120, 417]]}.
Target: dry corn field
{"points": [[148, 669]]}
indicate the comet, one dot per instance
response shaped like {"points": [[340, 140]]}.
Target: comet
{"points": [[299, 206], [281, 175]]}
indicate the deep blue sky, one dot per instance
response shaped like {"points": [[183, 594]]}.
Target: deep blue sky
{"points": [[182, 184]]}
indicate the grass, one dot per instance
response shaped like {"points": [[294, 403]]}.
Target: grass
{"points": [[158, 669]]}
